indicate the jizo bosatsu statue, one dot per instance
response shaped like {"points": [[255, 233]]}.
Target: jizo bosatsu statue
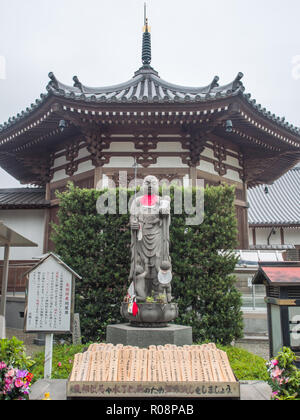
{"points": [[151, 272]]}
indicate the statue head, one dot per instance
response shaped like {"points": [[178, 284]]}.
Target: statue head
{"points": [[151, 185]]}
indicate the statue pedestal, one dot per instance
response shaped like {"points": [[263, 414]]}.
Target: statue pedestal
{"points": [[144, 337]]}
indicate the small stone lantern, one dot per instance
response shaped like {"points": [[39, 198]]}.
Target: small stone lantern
{"points": [[282, 281]]}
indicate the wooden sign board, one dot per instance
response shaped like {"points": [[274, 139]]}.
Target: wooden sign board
{"points": [[50, 297], [107, 371]]}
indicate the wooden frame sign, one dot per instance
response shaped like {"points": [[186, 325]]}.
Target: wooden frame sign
{"points": [[50, 295]]}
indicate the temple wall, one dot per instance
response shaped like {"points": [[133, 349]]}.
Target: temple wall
{"points": [[31, 225], [291, 236], [207, 163], [165, 155]]}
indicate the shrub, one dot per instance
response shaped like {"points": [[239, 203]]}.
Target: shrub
{"points": [[245, 365], [15, 378], [284, 377], [12, 353], [98, 248], [62, 361]]}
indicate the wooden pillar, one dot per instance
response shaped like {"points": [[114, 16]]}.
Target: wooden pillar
{"points": [[247, 229], [282, 235], [98, 176], [47, 219], [193, 176], [4, 291], [48, 192], [254, 236]]}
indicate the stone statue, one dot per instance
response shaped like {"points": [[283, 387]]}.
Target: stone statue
{"points": [[150, 221], [151, 269]]}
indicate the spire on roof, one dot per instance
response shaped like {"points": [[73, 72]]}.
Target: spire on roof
{"points": [[146, 53]]}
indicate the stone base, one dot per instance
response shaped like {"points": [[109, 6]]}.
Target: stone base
{"points": [[144, 337]]}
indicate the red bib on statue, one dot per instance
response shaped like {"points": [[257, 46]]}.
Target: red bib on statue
{"points": [[149, 200]]}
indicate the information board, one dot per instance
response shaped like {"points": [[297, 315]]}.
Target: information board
{"points": [[49, 300]]}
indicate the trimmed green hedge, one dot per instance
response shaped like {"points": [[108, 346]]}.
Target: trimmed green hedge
{"points": [[245, 365], [98, 248]]}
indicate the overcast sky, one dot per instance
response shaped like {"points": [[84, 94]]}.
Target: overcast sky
{"points": [[192, 41]]}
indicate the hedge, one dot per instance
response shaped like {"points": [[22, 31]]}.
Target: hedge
{"points": [[98, 248]]}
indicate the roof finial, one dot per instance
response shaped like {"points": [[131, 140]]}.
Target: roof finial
{"points": [[146, 53]]}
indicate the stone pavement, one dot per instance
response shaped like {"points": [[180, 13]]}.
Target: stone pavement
{"points": [[250, 390]]}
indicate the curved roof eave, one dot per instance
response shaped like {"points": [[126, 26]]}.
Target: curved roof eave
{"points": [[147, 87]]}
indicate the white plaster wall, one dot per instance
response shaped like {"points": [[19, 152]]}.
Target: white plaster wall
{"points": [[292, 236], [233, 162], [207, 167], [85, 167], [59, 175], [119, 146], [169, 162], [167, 146], [120, 162], [59, 162], [233, 175], [28, 223], [262, 237], [251, 236], [209, 153], [83, 153]]}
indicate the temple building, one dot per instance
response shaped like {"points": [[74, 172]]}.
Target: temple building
{"points": [[85, 135], [274, 215]]}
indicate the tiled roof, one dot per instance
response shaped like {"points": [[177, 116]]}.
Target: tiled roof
{"points": [[148, 88], [30, 198], [145, 86], [280, 205]]}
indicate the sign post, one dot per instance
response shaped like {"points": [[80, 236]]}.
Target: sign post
{"points": [[50, 300], [48, 356], [76, 330]]}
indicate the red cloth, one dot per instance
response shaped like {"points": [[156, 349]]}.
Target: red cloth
{"points": [[135, 309], [149, 200]]}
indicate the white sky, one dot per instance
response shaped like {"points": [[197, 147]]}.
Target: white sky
{"points": [[192, 41]]}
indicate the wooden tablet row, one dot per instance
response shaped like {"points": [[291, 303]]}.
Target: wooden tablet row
{"points": [[109, 363]]}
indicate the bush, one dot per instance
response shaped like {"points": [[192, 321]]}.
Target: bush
{"points": [[15, 379], [12, 353], [246, 366], [62, 361], [98, 248], [284, 377]]}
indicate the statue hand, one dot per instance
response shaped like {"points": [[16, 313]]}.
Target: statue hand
{"points": [[165, 206]]}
